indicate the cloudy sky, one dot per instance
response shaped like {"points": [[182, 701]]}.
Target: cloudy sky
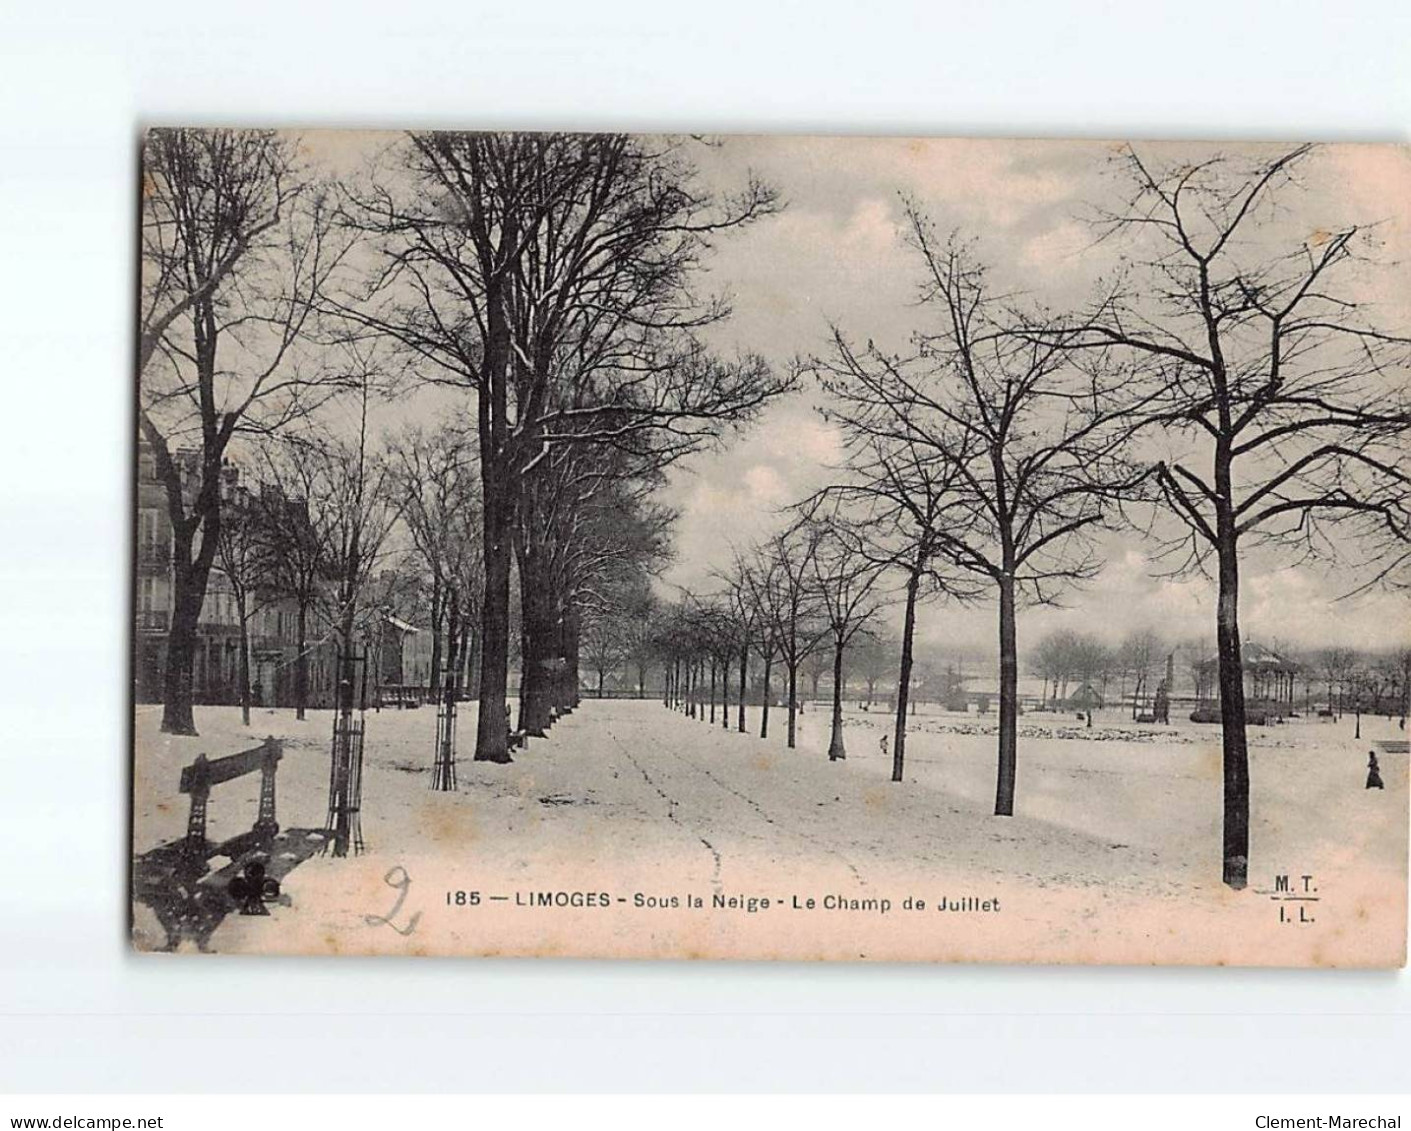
{"points": [[835, 255]]}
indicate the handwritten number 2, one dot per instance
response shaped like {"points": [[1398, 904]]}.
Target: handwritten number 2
{"points": [[397, 878]]}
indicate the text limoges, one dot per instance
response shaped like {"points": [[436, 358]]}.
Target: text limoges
{"points": [[562, 899]]}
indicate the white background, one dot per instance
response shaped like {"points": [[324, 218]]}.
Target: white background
{"points": [[77, 81]]}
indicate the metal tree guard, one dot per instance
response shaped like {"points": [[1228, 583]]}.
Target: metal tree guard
{"points": [[443, 773], [345, 777]]}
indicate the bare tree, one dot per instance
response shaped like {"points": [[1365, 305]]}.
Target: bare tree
{"points": [[791, 604], [243, 560], [235, 251], [1032, 442], [1200, 662], [899, 497], [552, 274], [437, 479], [1400, 661], [874, 650], [1270, 381], [739, 598], [1092, 662], [294, 543], [1141, 656], [813, 667], [1338, 665], [353, 494], [641, 633], [1055, 659], [846, 577], [761, 591], [605, 645]]}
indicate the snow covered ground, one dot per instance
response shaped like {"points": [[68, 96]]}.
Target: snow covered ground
{"points": [[1113, 854]]}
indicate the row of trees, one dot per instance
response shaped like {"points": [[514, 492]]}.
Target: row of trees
{"points": [[1234, 381], [1224, 380], [1378, 682], [1227, 380], [1139, 663], [550, 280]]}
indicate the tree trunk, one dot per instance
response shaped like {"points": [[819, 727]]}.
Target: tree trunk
{"points": [[1008, 688], [177, 690], [538, 622], [571, 634], [189, 584], [465, 653], [725, 691], [491, 732], [453, 637], [793, 702], [241, 611], [434, 677], [556, 679], [764, 708], [1232, 713], [341, 801], [908, 635], [744, 682], [712, 692], [836, 751], [1405, 690], [498, 490], [301, 662]]}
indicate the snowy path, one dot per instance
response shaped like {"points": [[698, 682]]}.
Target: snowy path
{"points": [[1112, 854], [680, 780]]}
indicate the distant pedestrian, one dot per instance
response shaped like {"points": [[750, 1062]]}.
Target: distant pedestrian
{"points": [[1374, 772], [1161, 710]]}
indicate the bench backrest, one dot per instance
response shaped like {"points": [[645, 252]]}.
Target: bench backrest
{"points": [[204, 773]]}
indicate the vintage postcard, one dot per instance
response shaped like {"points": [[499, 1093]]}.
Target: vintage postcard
{"points": [[771, 548]]}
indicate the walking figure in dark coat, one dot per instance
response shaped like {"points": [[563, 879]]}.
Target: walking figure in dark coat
{"points": [[1374, 772]]}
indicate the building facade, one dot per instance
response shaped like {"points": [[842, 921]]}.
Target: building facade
{"points": [[273, 620]]}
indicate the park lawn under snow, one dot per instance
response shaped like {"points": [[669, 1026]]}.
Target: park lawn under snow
{"points": [[1113, 853]]}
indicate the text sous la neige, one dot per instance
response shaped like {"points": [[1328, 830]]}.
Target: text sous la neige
{"points": [[720, 901]]}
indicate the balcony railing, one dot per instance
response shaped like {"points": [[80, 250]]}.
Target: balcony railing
{"points": [[153, 620]]}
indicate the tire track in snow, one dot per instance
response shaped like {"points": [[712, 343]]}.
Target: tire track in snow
{"points": [[807, 838], [758, 809], [671, 806]]}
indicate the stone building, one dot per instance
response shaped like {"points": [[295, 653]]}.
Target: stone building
{"points": [[273, 620]]}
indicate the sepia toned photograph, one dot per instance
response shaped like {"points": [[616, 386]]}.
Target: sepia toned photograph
{"points": [[771, 547]]}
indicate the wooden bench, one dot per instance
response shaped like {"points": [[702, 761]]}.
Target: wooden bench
{"points": [[1393, 745], [401, 695], [203, 774]]}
